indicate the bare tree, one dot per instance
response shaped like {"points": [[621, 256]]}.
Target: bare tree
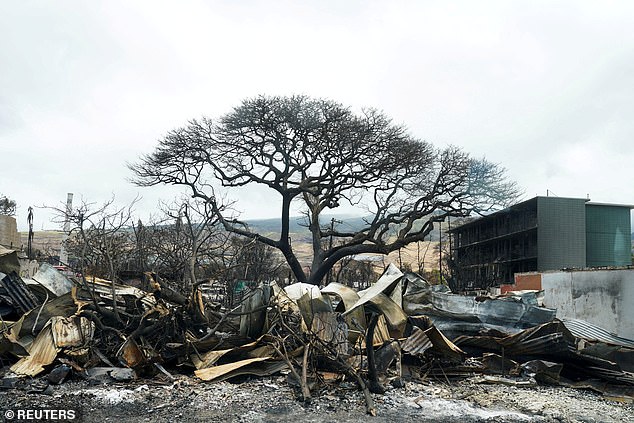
{"points": [[185, 241], [356, 273], [248, 260], [100, 237], [322, 155], [7, 206], [254, 261]]}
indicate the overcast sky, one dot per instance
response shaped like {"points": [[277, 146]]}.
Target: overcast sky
{"points": [[544, 88]]}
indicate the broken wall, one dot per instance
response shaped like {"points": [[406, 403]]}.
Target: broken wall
{"points": [[602, 297]]}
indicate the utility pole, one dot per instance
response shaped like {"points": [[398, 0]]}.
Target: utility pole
{"points": [[29, 248], [332, 228], [63, 254], [450, 244], [440, 252]]}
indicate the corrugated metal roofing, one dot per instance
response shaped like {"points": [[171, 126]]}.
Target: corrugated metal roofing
{"points": [[417, 343], [14, 290], [588, 331]]}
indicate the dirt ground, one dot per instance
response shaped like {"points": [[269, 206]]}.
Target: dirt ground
{"points": [[273, 400]]}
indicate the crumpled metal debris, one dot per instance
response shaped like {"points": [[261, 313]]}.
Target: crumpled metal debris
{"points": [[15, 294], [106, 331], [53, 281]]}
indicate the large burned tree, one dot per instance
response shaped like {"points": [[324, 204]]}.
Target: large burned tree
{"points": [[323, 155]]}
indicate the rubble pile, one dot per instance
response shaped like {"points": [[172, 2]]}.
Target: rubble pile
{"points": [[400, 329]]}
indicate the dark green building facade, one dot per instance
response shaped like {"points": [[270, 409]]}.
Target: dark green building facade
{"points": [[608, 235], [543, 233]]}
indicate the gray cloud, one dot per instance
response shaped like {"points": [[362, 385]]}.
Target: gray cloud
{"points": [[545, 88]]}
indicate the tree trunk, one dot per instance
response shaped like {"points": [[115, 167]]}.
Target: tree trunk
{"points": [[373, 378]]}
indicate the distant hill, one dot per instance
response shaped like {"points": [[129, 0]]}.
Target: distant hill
{"points": [[50, 241], [298, 226]]}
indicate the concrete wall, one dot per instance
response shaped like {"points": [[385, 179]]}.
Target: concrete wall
{"points": [[9, 236], [602, 297]]}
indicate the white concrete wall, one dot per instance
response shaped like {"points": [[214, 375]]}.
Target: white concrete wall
{"points": [[602, 297]]}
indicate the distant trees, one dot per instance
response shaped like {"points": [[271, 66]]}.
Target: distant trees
{"points": [[357, 273], [322, 155], [7, 206], [247, 261], [250, 260]]}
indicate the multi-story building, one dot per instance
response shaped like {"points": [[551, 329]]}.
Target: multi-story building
{"points": [[543, 233]]}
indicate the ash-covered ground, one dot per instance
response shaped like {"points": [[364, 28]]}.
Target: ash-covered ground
{"points": [[272, 399]]}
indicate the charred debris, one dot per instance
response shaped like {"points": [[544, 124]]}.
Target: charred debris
{"points": [[55, 327]]}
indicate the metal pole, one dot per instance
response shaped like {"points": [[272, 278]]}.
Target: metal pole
{"points": [[332, 228], [29, 248], [440, 252], [63, 254]]}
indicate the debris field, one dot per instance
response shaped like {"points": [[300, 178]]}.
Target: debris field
{"points": [[401, 349]]}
